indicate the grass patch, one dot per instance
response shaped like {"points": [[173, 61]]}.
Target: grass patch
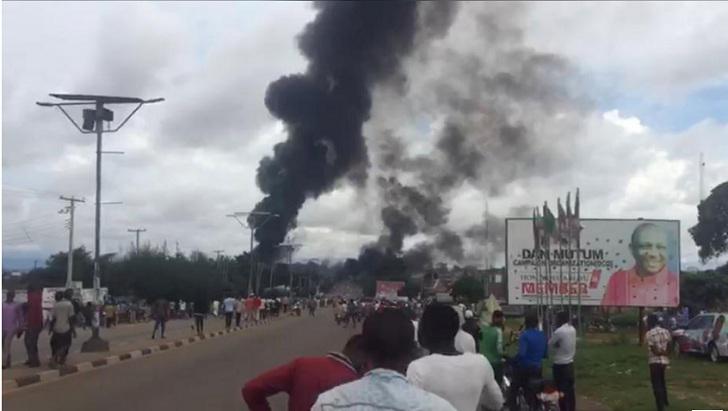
{"points": [[612, 369], [616, 374]]}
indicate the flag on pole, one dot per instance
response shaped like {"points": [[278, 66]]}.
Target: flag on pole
{"points": [[536, 236], [563, 223], [549, 223]]}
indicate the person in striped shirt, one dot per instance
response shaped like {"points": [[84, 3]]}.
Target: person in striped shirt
{"points": [[658, 342]]}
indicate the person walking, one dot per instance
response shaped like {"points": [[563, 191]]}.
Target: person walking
{"points": [[61, 329], [491, 344], [88, 315], [160, 314], [472, 327], [658, 341], [388, 340], [285, 301], [12, 324], [239, 310], [312, 307], [33, 324], [228, 307], [469, 381], [110, 314], [257, 307], [532, 349], [200, 309], [563, 347], [305, 378]]}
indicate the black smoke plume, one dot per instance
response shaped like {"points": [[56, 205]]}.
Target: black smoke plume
{"points": [[351, 47]]}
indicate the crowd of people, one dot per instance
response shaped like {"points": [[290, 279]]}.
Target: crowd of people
{"points": [[422, 356], [27, 319]]}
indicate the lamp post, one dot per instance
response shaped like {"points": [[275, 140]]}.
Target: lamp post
{"points": [[268, 216], [93, 123]]}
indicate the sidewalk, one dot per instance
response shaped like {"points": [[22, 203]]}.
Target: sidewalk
{"points": [[122, 339]]}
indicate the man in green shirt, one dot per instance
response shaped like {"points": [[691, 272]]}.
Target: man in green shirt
{"points": [[492, 344]]}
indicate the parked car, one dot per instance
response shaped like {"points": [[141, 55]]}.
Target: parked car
{"points": [[706, 334]]}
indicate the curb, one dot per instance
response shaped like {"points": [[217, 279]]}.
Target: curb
{"points": [[13, 384]]}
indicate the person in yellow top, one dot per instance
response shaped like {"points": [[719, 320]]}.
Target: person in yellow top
{"points": [[110, 314]]}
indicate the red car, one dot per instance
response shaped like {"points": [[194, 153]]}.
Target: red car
{"points": [[706, 334]]}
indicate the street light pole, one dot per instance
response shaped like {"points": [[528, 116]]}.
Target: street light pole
{"points": [[94, 123]]}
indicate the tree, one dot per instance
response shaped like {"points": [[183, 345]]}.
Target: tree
{"points": [[469, 288], [707, 290], [711, 232]]}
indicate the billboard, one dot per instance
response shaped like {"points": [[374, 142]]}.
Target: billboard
{"points": [[619, 263], [388, 289]]}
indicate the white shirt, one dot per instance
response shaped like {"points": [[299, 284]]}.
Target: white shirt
{"points": [[229, 304], [465, 380], [62, 313], [464, 342], [379, 390], [563, 344]]}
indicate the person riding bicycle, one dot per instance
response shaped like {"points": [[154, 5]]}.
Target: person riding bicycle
{"points": [[532, 349]]}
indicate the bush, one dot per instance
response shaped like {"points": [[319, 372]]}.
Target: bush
{"points": [[625, 319]]}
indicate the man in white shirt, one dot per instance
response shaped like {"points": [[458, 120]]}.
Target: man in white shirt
{"points": [[466, 380], [228, 306], [464, 342], [563, 347], [388, 341]]}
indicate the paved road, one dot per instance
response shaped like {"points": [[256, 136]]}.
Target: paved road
{"points": [[203, 376]]}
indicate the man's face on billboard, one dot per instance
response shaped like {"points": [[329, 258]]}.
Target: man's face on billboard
{"points": [[649, 248]]}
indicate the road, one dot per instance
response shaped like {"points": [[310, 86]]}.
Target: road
{"points": [[204, 376]]}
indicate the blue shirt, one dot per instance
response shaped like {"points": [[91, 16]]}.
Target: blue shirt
{"points": [[380, 389], [531, 349]]}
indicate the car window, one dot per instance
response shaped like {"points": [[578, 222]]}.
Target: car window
{"points": [[707, 322], [695, 323]]}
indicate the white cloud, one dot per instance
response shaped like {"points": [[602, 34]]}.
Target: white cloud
{"points": [[664, 49], [631, 125]]}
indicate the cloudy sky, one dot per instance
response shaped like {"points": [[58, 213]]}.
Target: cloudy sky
{"points": [[651, 79]]}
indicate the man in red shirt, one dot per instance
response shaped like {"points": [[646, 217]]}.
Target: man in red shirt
{"points": [[649, 282], [33, 324], [305, 378]]}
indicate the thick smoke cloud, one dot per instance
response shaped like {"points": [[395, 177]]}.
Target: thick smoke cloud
{"points": [[351, 46], [506, 112]]}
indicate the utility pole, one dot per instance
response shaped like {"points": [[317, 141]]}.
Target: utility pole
{"points": [[93, 123], [217, 262], [70, 210], [137, 231], [252, 226]]}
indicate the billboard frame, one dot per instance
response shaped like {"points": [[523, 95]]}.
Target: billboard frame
{"points": [[641, 220]]}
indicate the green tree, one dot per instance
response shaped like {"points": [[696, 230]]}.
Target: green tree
{"points": [[469, 288], [707, 290], [711, 232]]}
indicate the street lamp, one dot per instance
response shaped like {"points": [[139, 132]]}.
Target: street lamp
{"points": [[268, 216], [93, 122]]}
